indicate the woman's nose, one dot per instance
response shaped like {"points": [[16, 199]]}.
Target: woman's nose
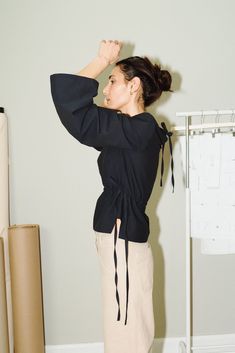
{"points": [[105, 91]]}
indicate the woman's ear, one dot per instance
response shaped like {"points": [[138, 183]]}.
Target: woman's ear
{"points": [[135, 84]]}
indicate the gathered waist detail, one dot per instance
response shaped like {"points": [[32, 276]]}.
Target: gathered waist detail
{"points": [[118, 190]]}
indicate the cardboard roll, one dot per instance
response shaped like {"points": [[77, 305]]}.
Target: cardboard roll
{"points": [[26, 287], [4, 341]]}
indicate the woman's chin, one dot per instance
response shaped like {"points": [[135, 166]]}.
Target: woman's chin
{"points": [[108, 104]]}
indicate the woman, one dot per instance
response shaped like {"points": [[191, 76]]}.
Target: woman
{"points": [[130, 140]]}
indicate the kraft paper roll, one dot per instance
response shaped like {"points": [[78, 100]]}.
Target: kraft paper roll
{"points": [[26, 281], [4, 338], [4, 199], [4, 214]]}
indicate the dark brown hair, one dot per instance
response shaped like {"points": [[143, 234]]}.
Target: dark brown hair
{"points": [[154, 80]]}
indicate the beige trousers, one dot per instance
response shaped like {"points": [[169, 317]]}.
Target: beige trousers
{"points": [[137, 335]]}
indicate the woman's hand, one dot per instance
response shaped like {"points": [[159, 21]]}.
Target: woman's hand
{"points": [[109, 50], [108, 53]]}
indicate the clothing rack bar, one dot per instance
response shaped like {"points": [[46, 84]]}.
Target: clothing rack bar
{"points": [[205, 126], [206, 113], [188, 244], [213, 347]]}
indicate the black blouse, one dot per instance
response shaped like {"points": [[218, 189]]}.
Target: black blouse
{"points": [[127, 163]]}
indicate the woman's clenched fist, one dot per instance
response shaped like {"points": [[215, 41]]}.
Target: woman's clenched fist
{"points": [[110, 50]]}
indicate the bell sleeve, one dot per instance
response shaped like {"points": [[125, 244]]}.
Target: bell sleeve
{"points": [[93, 125]]}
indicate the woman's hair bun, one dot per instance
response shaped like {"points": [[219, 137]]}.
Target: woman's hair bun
{"points": [[163, 78]]}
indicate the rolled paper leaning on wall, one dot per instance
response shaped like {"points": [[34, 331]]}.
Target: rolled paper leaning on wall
{"points": [[4, 214], [4, 337], [26, 280]]}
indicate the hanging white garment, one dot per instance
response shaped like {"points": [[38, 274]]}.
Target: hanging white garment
{"points": [[212, 188], [218, 246]]}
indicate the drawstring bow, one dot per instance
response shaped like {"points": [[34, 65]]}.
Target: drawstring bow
{"points": [[169, 134]]}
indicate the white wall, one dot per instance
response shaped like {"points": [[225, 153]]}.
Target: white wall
{"points": [[54, 179]]}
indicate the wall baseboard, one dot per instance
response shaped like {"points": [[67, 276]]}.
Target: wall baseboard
{"points": [[224, 343]]}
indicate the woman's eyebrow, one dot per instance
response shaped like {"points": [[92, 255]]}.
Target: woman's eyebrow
{"points": [[110, 76]]}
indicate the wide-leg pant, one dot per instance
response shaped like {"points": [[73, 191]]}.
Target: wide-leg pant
{"points": [[137, 335]]}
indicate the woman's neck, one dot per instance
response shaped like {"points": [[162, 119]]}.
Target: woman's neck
{"points": [[133, 110]]}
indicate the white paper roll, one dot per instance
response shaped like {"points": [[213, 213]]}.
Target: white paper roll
{"points": [[4, 214], [4, 338]]}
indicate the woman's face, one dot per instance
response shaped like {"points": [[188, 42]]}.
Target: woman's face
{"points": [[117, 91]]}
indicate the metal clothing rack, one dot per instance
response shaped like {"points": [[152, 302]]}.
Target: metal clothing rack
{"points": [[187, 129]]}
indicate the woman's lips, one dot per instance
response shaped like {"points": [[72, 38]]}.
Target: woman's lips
{"points": [[106, 101]]}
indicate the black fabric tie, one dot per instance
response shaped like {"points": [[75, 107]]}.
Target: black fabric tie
{"points": [[169, 134], [127, 278], [116, 275]]}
